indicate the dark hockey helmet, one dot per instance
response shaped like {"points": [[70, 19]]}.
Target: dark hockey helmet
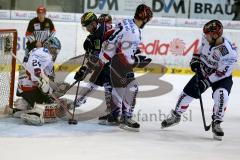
{"points": [[88, 18], [143, 12], [105, 18], [41, 9], [214, 28]]}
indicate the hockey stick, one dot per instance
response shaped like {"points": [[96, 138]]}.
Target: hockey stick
{"points": [[63, 93], [76, 80], [201, 104], [73, 121], [39, 81]]}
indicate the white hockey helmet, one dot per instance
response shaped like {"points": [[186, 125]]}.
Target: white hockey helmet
{"points": [[54, 46]]}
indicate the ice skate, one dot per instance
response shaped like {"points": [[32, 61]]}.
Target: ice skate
{"points": [[173, 120], [129, 124], [217, 130], [108, 120]]}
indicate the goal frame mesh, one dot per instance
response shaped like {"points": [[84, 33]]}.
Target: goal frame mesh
{"points": [[13, 67]]}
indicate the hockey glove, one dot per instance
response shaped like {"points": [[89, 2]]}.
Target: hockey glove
{"points": [[26, 57], [195, 63], [81, 73], [138, 51], [204, 84], [141, 61]]}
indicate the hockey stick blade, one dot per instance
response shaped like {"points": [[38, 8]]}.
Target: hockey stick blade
{"points": [[207, 127]]}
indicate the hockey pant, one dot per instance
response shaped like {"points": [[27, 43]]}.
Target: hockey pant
{"points": [[221, 91], [35, 96], [124, 100]]}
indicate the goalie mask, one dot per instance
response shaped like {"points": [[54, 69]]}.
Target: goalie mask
{"points": [[54, 46]]}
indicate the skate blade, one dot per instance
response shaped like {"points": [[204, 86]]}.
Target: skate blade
{"points": [[219, 138], [106, 123], [162, 127], [129, 128]]}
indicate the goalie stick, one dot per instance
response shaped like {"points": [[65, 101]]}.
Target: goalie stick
{"points": [[51, 95], [206, 128]]}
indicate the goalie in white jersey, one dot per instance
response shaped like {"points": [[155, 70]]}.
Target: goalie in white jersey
{"points": [[40, 65], [214, 65]]}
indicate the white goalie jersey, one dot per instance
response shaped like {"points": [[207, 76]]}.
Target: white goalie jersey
{"points": [[217, 62], [39, 61]]}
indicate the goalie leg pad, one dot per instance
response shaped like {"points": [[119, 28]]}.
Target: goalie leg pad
{"points": [[34, 116], [20, 107], [21, 104]]}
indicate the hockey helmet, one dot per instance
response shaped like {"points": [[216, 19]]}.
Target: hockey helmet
{"points": [[107, 18], [214, 28], [143, 12], [88, 18], [54, 46]]}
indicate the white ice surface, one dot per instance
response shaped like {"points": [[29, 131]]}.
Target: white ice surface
{"points": [[90, 141]]}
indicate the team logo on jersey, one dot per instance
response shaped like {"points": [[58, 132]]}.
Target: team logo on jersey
{"points": [[223, 50], [37, 26], [97, 44]]}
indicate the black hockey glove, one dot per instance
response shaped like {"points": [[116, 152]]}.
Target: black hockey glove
{"points": [[26, 57], [141, 61], [195, 63], [138, 51], [81, 73], [204, 84]]}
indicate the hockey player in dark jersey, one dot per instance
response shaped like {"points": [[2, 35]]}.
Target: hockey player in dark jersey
{"points": [[39, 30], [100, 30], [213, 66]]}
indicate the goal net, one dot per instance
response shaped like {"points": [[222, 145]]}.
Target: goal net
{"points": [[8, 46]]}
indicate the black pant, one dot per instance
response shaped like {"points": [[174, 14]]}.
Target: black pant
{"points": [[36, 96], [192, 90]]}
